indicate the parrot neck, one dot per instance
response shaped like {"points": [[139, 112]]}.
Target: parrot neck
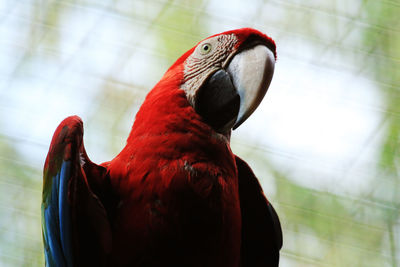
{"points": [[167, 129], [166, 111]]}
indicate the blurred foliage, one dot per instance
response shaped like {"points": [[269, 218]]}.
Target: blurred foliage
{"points": [[20, 194], [386, 72], [321, 228]]}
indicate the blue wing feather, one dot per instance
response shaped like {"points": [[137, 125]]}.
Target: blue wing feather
{"points": [[64, 212], [56, 207], [56, 224], [75, 225]]}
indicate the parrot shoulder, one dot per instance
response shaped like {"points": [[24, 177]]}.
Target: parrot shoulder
{"points": [[261, 228]]}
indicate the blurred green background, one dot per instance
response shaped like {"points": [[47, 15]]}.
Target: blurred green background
{"points": [[324, 142]]}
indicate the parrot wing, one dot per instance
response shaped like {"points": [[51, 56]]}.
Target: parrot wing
{"points": [[261, 229], [75, 226]]}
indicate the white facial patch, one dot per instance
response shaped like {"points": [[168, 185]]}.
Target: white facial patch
{"points": [[208, 57]]}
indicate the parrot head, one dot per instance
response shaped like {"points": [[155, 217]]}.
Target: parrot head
{"points": [[225, 76]]}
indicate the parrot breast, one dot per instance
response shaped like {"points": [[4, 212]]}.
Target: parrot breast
{"points": [[178, 184]]}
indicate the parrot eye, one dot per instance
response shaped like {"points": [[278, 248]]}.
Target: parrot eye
{"points": [[205, 48]]}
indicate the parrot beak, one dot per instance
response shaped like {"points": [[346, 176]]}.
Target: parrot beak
{"points": [[232, 93], [251, 72]]}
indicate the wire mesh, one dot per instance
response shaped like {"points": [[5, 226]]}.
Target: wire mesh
{"points": [[324, 143]]}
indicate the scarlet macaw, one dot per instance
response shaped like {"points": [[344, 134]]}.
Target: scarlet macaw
{"points": [[176, 195]]}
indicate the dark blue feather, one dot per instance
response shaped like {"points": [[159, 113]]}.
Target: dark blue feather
{"points": [[57, 217]]}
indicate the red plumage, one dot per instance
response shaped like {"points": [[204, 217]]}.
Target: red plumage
{"points": [[171, 196], [175, 177]]}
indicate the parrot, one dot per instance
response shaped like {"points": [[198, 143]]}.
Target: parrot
{"points": [[176, 194]]}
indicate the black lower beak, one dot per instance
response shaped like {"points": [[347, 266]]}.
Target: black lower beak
{"points": [[218, 102]]}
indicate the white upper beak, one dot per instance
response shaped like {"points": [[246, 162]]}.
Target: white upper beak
{"points": [[251, 72]]}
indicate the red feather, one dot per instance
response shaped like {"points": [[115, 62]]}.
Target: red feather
{"points": [[170, 198], [175, 176], [178, 183]]}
